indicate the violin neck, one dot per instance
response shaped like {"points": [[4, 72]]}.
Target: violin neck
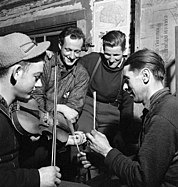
{"points": [[35, 113]]}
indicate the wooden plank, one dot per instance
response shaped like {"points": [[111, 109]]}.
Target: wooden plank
{"points": [[176, 58], [44, 24], [137, 24]]}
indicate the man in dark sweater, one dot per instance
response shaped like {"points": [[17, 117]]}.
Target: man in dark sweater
{"points": [[156, 163], [114, 106]]}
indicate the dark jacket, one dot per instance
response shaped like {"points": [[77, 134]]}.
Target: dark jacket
{"points": [[156, 164], [72, 85], [10, 173]]}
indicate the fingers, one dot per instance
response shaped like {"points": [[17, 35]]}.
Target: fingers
{"points": [[86, 166], [57, 182], [58, 176], [90, 137], [57, 169], [81, 154]]}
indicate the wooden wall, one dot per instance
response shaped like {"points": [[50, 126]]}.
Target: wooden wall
{"points": [[31, 15]]}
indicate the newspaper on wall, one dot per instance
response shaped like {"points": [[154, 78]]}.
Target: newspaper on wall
{"points": [[110, 15]]}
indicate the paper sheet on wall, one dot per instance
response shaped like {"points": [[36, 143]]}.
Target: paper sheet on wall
{"points": [[158, 21], [110, 15]]}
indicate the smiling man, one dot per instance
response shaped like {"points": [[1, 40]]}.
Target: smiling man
{"points": [[72, 77], [114, 106], [156, 163]]}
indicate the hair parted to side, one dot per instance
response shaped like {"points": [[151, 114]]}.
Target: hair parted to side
{"points": [[114, 38], [73, 32], [149, 59]]}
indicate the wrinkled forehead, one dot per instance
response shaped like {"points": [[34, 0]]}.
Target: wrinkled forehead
{"points": [[113, 50], [130, 73], [35, 67], [126, 69]]}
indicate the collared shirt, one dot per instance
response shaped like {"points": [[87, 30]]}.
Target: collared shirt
{"points": [[156, 163], [72, 86]]}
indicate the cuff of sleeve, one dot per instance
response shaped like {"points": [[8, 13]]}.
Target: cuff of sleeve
{"points": [[61, 144], [111, 156], [34, 178]]}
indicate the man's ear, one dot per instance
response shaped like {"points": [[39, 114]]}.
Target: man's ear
{"points": [[145, 75], [15, 74]]}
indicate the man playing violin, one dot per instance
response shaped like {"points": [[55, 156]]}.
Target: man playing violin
{"points": [[21, 67]]}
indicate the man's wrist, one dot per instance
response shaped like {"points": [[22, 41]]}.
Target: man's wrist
{"points": [[107, 151]]}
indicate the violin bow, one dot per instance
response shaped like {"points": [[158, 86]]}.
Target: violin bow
{"points": [[53, 158], [94, 110]]}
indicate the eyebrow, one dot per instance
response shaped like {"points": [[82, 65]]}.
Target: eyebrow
{"points": [[112, 54], [72, 49]]}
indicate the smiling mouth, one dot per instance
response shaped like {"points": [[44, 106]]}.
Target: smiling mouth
{"points": [[130, 93], [71, 61], [31, 93], [111, 63]]}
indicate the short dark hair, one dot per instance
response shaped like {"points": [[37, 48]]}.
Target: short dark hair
{"points": [[3, 71], [147, 58], [114, 38], [73, 32]]}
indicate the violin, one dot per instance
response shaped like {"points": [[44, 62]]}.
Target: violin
{"points": [[29, 120]]}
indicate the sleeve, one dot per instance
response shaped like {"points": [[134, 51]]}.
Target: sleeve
{"points": [[89, 61], [153, 159], [77, 95], [19, 177], [47, 83]]}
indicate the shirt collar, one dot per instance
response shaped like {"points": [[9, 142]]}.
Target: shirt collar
{"points": [[3, 105]]}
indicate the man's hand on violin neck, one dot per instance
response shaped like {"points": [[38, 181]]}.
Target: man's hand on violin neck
{"points": [[79, 138]]}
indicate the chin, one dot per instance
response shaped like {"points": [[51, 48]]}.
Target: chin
{"points": [[69, 64], [113, 66]]}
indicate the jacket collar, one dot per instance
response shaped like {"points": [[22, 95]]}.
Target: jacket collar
{"points": [[3, 106], [156, 97]]}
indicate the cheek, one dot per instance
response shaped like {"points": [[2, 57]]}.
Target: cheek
{"points": [[77, 55], [118, 58], [65, 53], [29, 82], [106, 57]]}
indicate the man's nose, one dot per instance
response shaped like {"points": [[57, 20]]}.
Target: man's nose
{"points": [[72, 55], [112, 59], [125, 87], [38, 83]]}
